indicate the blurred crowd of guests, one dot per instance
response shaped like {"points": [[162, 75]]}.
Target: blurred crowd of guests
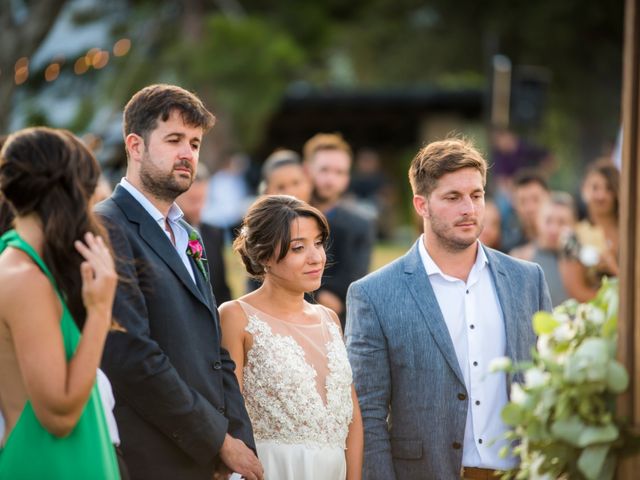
{"points": [[572, 236]]}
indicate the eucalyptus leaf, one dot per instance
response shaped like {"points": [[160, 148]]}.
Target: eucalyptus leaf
{"points": [[609, 468], [592, 460], [568, 430], [512, 414], [617, 377], [609, 328], [574, 371], [593, 350], [544, 323], [592, 435]]}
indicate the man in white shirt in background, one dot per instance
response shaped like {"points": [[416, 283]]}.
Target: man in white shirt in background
{"points": [[422, 331]]}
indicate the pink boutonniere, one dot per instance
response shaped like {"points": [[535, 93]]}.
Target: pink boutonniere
{"points": [[196, 251]]}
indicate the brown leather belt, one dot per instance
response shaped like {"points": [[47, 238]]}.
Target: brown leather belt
{"points": [[473, 473]]}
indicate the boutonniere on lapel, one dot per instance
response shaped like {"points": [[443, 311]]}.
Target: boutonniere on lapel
{"points": [[196, 251]]}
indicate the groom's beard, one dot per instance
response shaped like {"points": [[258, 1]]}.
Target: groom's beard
{"points": [[445, 232], [164, 186]]}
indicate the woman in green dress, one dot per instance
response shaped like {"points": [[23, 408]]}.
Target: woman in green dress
{"points": [[57, 279]]}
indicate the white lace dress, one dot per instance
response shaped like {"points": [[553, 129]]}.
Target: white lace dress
{"points": [[297, 389]]}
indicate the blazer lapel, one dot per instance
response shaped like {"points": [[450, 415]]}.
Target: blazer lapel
{"points": [[507, 298], [424, 296], [153, 235], [203, 282]]}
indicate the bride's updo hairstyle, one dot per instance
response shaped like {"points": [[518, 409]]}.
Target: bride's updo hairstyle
{"points": [[266, 230], [52, 174]]}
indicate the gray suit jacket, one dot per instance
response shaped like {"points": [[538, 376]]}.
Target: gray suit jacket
{"points": [[405, 367]]}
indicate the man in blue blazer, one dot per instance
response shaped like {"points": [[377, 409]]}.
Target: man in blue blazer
{"points": [[422, 331], [178, 404]]}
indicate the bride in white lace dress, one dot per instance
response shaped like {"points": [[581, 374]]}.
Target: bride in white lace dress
{"points": [[290, 357]]}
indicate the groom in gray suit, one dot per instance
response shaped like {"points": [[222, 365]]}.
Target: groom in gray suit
{"points": [[422, 331]]}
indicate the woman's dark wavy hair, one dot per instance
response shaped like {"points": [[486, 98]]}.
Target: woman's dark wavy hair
{"points": [[611, 174], [50, 173], [266, 230]]}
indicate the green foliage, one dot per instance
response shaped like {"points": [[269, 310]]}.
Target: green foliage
{"points": [[562, 417], [244, 66], [241, 63]]}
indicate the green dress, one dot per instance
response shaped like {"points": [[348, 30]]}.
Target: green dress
{"points": [[31, 452]]}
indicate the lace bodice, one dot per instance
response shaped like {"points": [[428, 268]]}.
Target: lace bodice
{"points": [[297, 380]]}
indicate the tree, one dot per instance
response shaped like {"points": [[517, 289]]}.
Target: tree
{"points": [[23, 27], [241, 55]]}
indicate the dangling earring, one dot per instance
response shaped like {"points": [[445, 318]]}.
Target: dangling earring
{"points": [[266, 269]]}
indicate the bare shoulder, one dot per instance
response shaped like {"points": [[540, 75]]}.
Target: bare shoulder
{"points": [[232, 315], [22, 281], [332, 315], [20, 276]]}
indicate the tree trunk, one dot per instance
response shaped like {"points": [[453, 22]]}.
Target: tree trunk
{"points": [[629, 316]]}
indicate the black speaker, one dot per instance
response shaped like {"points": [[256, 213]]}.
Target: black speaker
{"points": [[529, 88]]}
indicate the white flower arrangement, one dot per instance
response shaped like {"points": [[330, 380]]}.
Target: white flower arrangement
{"points": [[562, 418]]}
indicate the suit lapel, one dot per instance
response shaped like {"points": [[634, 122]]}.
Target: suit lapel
{"points": [[424, 296], [153, 235], [504, 289], [203, 283]]}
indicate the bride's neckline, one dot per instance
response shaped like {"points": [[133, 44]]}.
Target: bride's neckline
{"points": [[288, 322]]}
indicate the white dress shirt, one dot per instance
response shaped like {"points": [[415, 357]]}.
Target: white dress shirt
{"points": [[108, 402], [475, 322], [173, 219]]}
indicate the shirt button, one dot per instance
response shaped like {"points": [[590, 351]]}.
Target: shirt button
{"points": [[217, 365], [462, 396], [456, 445], [472, 326], [467, 292], [475, 364], [478, 403], [479, 440], [222, 410]]}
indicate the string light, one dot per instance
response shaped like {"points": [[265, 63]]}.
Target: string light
{"points": [[22, 63], [80, 66], [121, 47], [21, 70], [52, 72], [100, 59], [95, 57], [91, 55]]}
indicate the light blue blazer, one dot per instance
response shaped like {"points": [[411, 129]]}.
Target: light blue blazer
{"points": [[405, 368]]}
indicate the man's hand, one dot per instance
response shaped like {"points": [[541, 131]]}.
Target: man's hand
{"points": [[241, 459]]}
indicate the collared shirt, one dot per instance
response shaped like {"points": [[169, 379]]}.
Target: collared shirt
{"points": [[173, 219], [474, 318]]}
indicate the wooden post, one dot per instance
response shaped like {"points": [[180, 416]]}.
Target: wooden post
{"points": [[629, 318]]}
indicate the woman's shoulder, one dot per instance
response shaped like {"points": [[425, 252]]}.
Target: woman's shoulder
{"points": [[327, 314], [18, 273], [232, 308], [22, 283]]}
